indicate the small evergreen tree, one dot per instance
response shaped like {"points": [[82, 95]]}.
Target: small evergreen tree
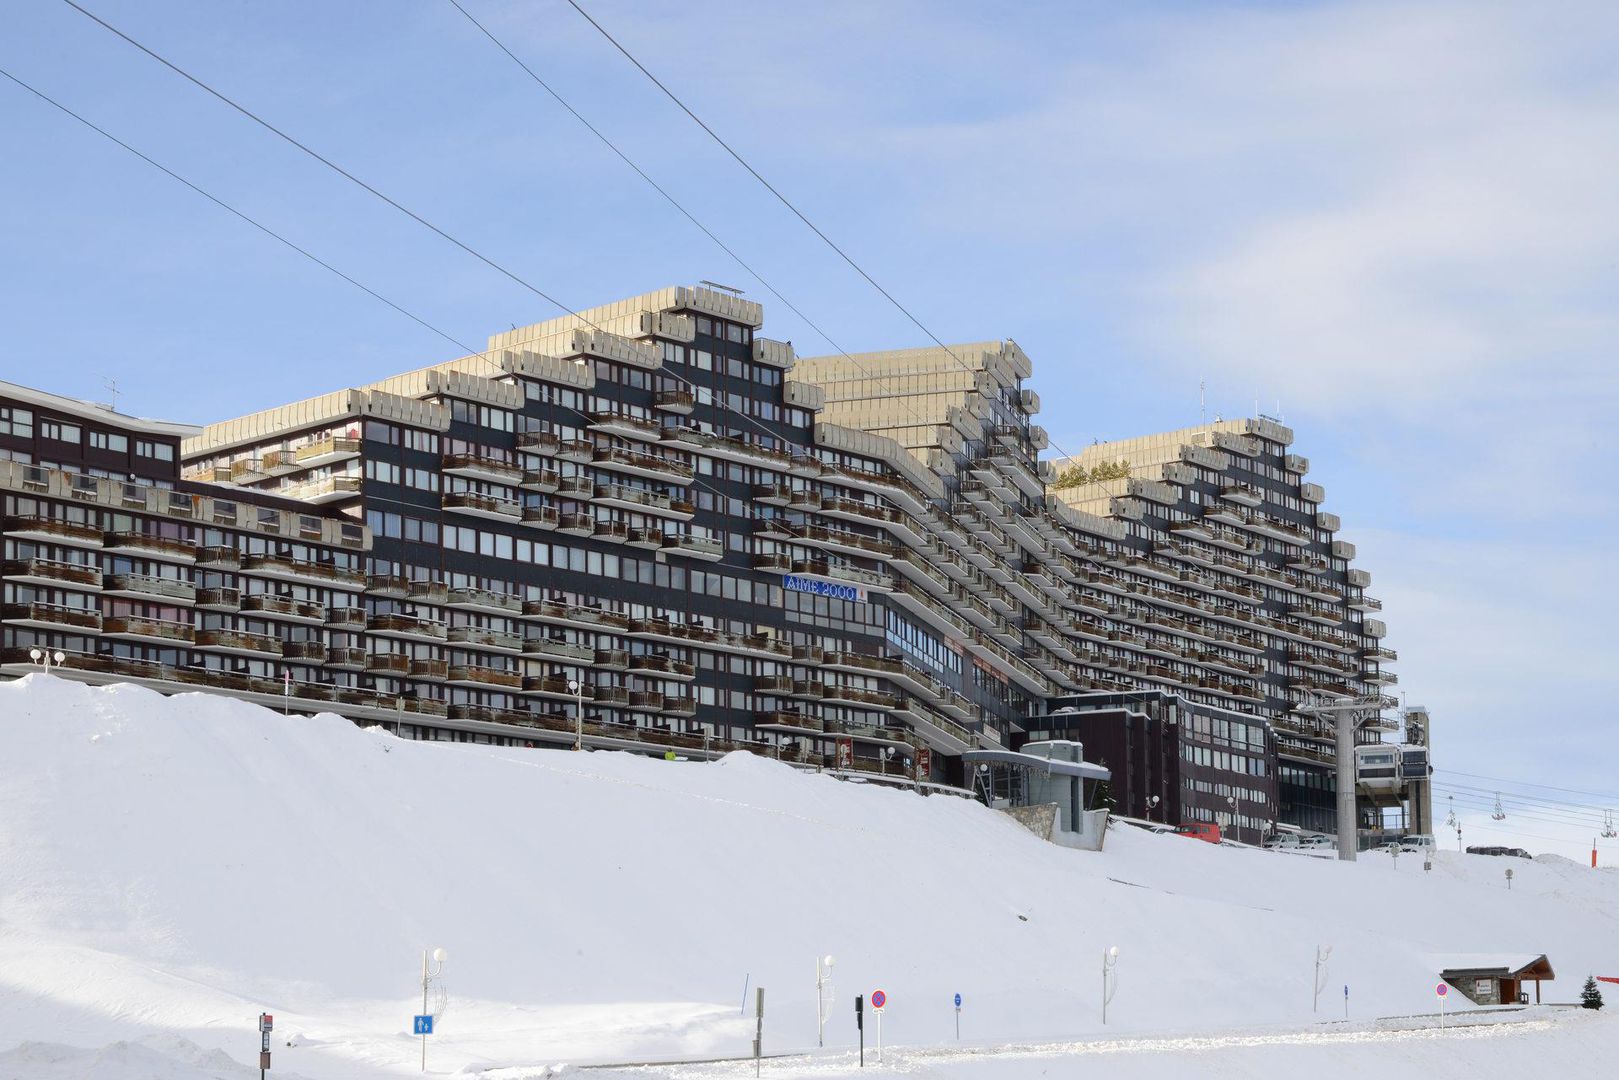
{"points": [[1591, 997]]}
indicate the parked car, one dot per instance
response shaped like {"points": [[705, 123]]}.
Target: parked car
{"points": [[1281, 840], [1207, 831], [1318, 842], [1496, 849], [1418, 844]]}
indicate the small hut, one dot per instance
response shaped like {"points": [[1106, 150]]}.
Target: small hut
{"points": [[1497, 979]]}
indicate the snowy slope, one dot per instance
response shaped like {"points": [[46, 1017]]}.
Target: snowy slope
{"points": [[172, 867]]}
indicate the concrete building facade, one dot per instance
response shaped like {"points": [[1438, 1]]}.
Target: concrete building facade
{"points": [[649, 526]]}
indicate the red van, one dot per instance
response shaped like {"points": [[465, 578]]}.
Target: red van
{"points": [[1201, 830]]}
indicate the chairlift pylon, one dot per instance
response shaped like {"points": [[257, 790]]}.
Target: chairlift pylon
{"points": [[1499, 814], [1608, 830]]}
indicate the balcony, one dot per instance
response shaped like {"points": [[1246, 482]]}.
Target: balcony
{"points": [[1380, 652], [576, 524], [51, 572], [168, 548], [387, 664], [351, 619], [678, 402], [1238, 492], [542, 517], [309, 652], [556, 611], [404, 627], [662, 667], [1364, 603], [40, 527], [326, 489], [429, 670], [149, 587], [790, 722], [51, 617], [555, 686], [630, 427], [218, 557], [326, 452], [544, 443], [480, 467], [693, 546], [219, 599], [869, 699], [479, 638], [140, 628], [647, 539], [482, 600], [543, 480], [283, 608], [578, 451], [647, 502], [302, 571], [477, 504], [340, 658], [237, 643], [612, 532], [559, 650], [646, 466], [479, 676]]}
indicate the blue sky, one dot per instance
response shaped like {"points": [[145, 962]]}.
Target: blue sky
{"points": [[1392, 223]]}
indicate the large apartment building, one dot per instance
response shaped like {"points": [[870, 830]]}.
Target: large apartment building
{"points": [[648, 526]]}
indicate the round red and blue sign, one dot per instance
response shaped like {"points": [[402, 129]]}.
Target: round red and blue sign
{"points": [[1441, 989], [878, 999]]}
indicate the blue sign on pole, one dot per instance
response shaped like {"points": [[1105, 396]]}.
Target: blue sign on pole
{"points": [[958, 1001], [424, 1025]]}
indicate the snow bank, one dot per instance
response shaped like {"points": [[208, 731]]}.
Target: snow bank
{"points": [[174, 866]]}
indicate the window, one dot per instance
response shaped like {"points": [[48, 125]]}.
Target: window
{"points": [[107, 440], [60, 431], [18, 422], [155, 450]]}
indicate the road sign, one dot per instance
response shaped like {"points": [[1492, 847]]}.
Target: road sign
{"points": [[1441, 989], [424, 1025], [266, 1022], [878, 1000], [958, 1001]]}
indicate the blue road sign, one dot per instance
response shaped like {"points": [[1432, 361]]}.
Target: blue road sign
{"points": [[424, 1025], [958, 1001]]}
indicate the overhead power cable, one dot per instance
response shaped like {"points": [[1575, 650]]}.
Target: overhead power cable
{"points": [[747, 267], [788, 203], [715, 399], [223, 205], [317, 260]]}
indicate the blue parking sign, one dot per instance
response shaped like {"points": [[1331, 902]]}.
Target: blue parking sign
{"points": [[424, 1026]]}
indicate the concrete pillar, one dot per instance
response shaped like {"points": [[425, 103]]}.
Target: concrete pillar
{"points": [[1346, 784]]}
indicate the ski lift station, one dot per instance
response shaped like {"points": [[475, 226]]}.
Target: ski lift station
{"points": [[1043, 786]]}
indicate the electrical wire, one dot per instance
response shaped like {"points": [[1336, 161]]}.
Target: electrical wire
{"points": [[768, 186], [223, 205], [904, 399]]}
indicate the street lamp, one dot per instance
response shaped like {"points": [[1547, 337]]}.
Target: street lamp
{"points": [[823, 982], [1110, 981], [578, 713], [438, 957], [883, 760], [1152, 804], [45, 657], [1322, 954]]}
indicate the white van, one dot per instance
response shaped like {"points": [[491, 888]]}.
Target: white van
{"points": [[1318, 842], [1421, 843], [1280, 841]]}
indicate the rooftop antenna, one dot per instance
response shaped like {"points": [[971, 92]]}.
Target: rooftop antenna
{"points": [[1202, 402], [112, 391]]}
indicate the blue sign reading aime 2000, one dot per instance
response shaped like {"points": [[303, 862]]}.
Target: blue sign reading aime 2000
{"points": [[822, 588]]}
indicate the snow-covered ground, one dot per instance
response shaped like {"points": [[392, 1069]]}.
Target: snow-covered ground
{"points": [[169, 868]]}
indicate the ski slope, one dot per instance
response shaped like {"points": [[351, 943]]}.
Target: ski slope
{"points": [[171, 867]]}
